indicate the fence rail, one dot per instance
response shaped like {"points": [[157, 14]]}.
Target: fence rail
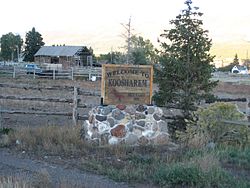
{"points": [[75, 100], [71, 73]]}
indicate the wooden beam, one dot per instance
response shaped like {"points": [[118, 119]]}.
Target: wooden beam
{"points": [[36, 112], [26, 87], [242, 123], [37, 99]]}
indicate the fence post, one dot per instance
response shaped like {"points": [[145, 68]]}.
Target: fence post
{"points": [[34, 73], [14, 72], [90, 71], [248, 109], [54, 74], [75, 103], [72, 73]]}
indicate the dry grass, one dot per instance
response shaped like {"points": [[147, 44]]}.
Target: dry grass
{"points": [[13, 182], [51, 139]]}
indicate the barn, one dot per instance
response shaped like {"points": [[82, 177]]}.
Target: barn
{"points": [[67, 56]]}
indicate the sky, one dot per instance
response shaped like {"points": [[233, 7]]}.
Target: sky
{"points": [[98, 23]]}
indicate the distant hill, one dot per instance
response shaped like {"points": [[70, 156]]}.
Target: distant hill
{"points": [[229, 49]]}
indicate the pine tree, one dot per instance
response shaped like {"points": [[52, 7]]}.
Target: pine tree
{"points": [[236, 60], [184, 76], [33, 43]]}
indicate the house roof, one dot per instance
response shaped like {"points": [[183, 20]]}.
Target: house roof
{"points": [[58, 50], [239, 67]]}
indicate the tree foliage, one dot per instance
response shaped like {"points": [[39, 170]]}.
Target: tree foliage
{"points": [[10, 46], [33, 43], [207, 126], [142, 51], [185, 71], [112, 58]]}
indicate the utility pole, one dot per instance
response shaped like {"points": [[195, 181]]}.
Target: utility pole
{"points": [[128, 37], [111, 56]]}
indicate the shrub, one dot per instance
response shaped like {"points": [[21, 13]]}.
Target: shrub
{"points": [[207, 125]]}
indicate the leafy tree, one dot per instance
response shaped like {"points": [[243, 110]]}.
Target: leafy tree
{"points": [[112, 58], [10, 46], [33, 43], [185, 71], [142, 51]]}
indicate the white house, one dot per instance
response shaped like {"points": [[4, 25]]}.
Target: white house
{"points": [[239, 69]]}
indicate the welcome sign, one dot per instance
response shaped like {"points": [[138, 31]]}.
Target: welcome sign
{"points": [[127, 84]]}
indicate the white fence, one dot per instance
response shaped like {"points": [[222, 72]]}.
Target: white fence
{"points": [[17, 71]]}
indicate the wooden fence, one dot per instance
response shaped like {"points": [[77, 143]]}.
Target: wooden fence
{"points": [[75, 101], [72, 73]]}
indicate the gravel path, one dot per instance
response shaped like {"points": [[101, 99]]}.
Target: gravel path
{"points": [[11, 165]]}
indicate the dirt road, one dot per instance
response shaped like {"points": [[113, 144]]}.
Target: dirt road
{"points": [[29, 170]]}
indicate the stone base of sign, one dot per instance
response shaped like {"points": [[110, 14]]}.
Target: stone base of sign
{"points": [[131, 125]]}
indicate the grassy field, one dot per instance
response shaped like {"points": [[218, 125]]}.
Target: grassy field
{"points": [[222, 166]]}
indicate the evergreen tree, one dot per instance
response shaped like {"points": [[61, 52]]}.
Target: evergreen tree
{"points": [[33, 43], [10, 46], [185, 71], [236, 60]]}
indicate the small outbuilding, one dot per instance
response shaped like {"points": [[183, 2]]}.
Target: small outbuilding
{"points": [[238, 69], [67, 56]]}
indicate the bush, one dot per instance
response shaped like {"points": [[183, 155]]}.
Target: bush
{"points": [[207, 125]]}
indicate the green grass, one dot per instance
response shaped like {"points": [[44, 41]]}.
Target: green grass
{"points": [[191, 168]]}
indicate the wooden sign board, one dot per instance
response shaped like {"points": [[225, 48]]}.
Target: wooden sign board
{"points": [[127, 84]]}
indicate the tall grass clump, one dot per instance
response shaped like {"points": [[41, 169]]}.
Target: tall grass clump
{"points": [[13, 182], [51, 139]]}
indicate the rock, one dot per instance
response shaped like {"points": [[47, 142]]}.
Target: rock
{"points": [[113, 141], [101, 118], [103, 127], [130, 126], [121, 106], [143, 141], [117, 114], [95, 135], [141, 108], [126, 124], [130, 110], [161, 139], [111, 121], [158, 111], [139, 116], [211, 145], [84, 130], [163, 126], [157, 117], [155, 127], [131, 139], [137, 132], [141, 123], [148, 133], [91, 118], [119, 131], [151, 110], [106, 110]]}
